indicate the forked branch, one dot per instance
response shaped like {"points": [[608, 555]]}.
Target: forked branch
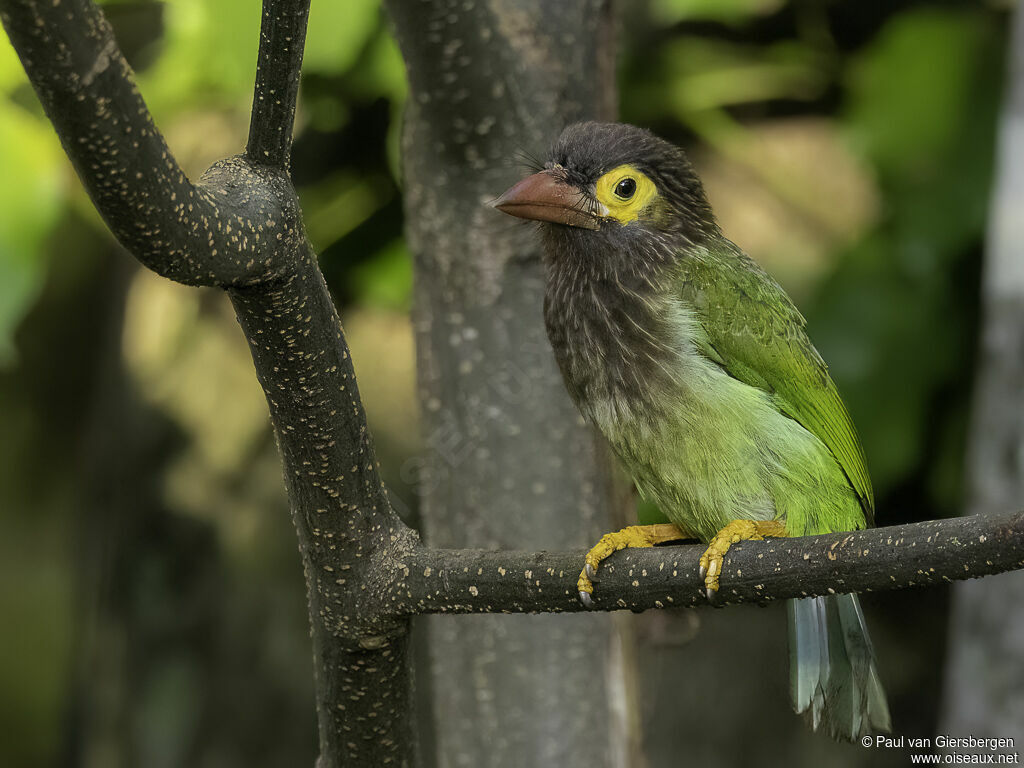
{"points": [[240, 228]]}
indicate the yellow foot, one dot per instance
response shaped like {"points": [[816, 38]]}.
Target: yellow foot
{"points": [[735, 531], [630, 536]]}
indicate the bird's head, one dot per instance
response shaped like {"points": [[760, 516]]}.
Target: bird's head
{"points": [[611, 180]]}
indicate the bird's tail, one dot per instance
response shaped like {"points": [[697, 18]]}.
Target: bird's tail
{"points": [[832, 675]]}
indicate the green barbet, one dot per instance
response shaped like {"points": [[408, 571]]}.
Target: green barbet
{"points": [[696, 367]]}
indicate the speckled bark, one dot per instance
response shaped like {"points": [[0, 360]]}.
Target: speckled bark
{"points": [[278, 65], [240, 228], [508, 463], [347, 530], [873, 560], [221, 231], [985, 672]]}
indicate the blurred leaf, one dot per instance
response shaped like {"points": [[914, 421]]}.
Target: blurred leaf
{"points": [[208, 56], [170, 346], [386, 280], [31, 198], [338, 31], [341, 203], [773, 185], [327, 113], [909, 88], [897, 316], [12, 75], [877, 329], [691, 74], [381, 72], [674, 11]]}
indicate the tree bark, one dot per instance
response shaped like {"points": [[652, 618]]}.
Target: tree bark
{"points": [[508, 463], [872, 560], [240, 228], [985, 669]]}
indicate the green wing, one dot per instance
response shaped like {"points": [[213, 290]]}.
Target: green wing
{"points": [[757, 335]]}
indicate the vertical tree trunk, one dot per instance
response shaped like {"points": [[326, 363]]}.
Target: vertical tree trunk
{"points": [[985, 669], [508, 463]]}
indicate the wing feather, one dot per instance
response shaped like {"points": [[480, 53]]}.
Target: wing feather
{"points": [[758, 336]]}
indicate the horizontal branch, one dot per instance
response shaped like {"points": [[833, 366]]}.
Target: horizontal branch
{"points": [[896, 557]]}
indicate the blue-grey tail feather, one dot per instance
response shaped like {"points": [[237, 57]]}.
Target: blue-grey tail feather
{"points": [[832, 674]]}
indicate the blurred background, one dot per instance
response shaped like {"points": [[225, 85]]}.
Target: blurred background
{"points": [[152, 596]]}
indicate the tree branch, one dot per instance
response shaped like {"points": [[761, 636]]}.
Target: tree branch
{"points": [[342, 516], [240, 227], [279, 63], [877, 559]]}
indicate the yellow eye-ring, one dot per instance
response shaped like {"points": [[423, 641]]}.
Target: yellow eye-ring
{"points": [[625, 192]]}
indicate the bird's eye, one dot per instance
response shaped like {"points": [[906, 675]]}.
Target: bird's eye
{"points": [[626, 188], [625, 194]]}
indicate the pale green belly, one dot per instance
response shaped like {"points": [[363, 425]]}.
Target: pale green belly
{"points": [[722, 451]]}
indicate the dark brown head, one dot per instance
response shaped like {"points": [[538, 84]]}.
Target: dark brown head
{"points": [[609, 181], [618, 207]]}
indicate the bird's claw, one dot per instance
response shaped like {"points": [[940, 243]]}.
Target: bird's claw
{"points": [[585, 585], [630, 536], [709, 569], [712, 561]]}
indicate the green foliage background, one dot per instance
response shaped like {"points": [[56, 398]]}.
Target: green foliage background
{"points": [[153, 599]]}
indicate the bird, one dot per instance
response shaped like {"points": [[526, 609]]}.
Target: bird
{"points": [[697, 368]]}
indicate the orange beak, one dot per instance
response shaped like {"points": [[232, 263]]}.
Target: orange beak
{"points": [[545, 196]]}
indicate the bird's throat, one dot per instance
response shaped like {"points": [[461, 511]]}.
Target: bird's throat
{"points": [[613, 333]]}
